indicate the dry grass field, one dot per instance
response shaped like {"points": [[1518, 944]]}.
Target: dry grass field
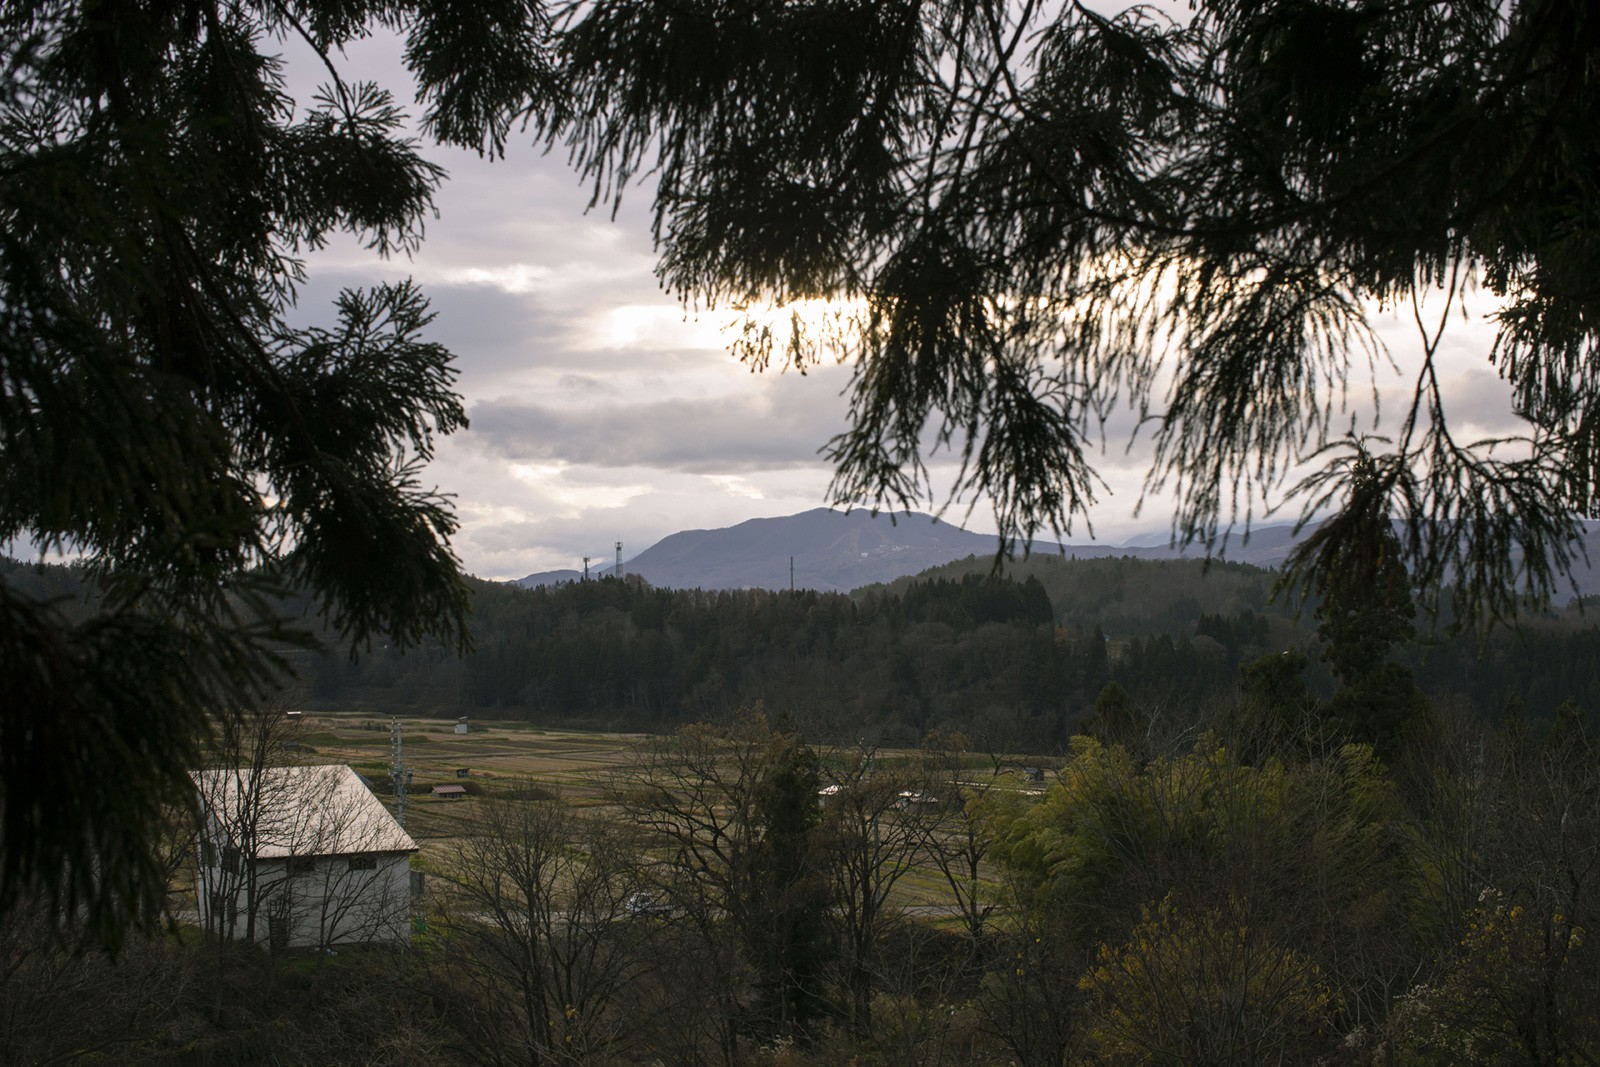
{"points": [[504, 756], [495, 755]]}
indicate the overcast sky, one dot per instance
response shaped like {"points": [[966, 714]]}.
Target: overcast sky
{"points": [[601, 412]]}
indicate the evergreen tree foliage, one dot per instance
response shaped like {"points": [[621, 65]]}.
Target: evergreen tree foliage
{"points": [[1116, 719], [161, 419], [1274, 706], [1028, 214], [789, 892], [1364, 615]]}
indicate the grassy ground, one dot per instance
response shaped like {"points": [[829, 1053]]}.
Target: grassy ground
{"points": [[512, 755], [500, 755]]}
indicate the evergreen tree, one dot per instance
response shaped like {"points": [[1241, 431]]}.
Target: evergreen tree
{"points": [[1274, 706], [159, 416], [1117, 720], [1364, 615], [790, 892]]}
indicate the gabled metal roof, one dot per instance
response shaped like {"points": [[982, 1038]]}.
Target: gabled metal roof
{"points": [[298, 811]]}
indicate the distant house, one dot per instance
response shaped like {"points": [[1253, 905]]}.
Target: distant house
{"points": [[300, 857], [450, 792], [911, 800]]}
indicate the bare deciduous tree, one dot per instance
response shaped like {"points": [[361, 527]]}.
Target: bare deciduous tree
{"points": [[960, 842], [247, 742], [875, 829], [542, 912], [726, 815], [58, 1006]]}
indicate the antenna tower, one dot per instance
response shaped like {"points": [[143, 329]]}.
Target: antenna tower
{"points": [[397, 736], [586, 568], [619, 559]]}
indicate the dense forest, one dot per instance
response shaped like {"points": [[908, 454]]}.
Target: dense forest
{"points": [[1017, 659], [1014, 660]]}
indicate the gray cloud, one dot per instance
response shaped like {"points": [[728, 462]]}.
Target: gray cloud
{"points": [[583, 383], [765, 429], [487, 328]]}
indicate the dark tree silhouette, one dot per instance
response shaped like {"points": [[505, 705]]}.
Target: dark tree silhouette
{"points": [[1364, 617], [1028, 214], [160, 418]]}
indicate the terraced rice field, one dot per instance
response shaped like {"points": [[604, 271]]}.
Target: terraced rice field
{"points": [[496, 755], [509, 757]]}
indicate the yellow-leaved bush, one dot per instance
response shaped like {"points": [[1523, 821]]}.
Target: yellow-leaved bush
{"points": [[1204, 985]]}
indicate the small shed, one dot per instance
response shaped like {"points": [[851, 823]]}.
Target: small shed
{"points": [[450, 792], [911, 800], [461, 725], [463, 772]]}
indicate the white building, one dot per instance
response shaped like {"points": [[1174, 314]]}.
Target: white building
{"points": [[300, 857]]}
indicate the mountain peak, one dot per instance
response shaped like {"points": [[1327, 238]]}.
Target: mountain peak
{"points": [[831, 550], [840, 551]]}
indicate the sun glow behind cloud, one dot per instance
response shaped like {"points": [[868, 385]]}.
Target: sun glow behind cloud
{"points": [[653, 325], [648, 326], [516, 278], [556, 486], [735, 485]]}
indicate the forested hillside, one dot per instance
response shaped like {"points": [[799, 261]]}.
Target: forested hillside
{"points": [[1017, 659], [620, 653]]}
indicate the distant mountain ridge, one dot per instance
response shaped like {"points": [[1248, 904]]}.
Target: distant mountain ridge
{"points": [[837, 551]]}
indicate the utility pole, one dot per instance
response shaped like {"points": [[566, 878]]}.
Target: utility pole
{"points": [[619, 559], [791, 574], [397, 747], [586, 568]]}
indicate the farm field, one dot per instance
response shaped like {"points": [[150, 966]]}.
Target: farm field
{"points": [[495, 755], [509, 755]]}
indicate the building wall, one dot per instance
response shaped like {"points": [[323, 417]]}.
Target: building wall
{"points": [[314, 902], [339, 900]]}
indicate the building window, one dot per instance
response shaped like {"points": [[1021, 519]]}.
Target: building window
{"points": [[230, 859], [208, 853], [278, 932], [301, 865], [363, 863]]}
